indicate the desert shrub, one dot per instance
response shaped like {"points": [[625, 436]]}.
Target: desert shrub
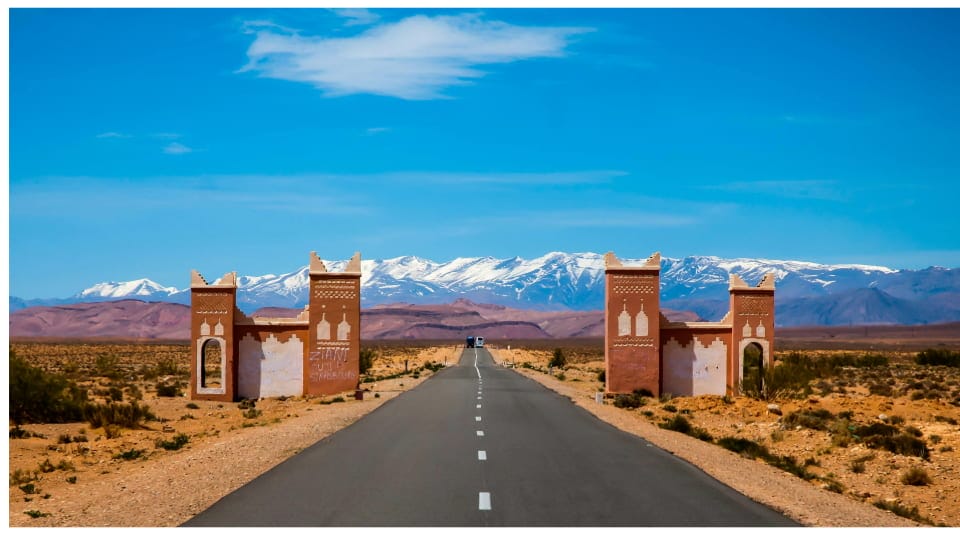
{"points": [[776, 435], [935, 439], [681, 424], [938, 357], [17, 432], [896, 420], [128, 415], [810, 418], [880, 389], [247, 404], [29, 489], [21, 476], [36, 514], [669, 408], [876, 428], [168, 367], [107, 365], [367, 357], [433, 366], [629, 401], [64, 438], [192, 405], [858, 467], [915, 476], [65, 465], [561, 376], [179, 441], [252, 413], [115, 393], [558, 360], [902, 444], [744, 447], [903, 511], [913, 430], [168, 389], [134, 392], [41, 397], [338, 399], [129, 455], [71, 479], [602, 376]]}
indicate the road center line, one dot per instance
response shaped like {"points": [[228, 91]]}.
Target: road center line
{"points": [[479, 405], [479, 434], [478, 419], [475, 365], [484, 500], [482, 455]]}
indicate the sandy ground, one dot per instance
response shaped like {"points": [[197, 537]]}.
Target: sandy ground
{"points": [[90, 486], [808, 502]]}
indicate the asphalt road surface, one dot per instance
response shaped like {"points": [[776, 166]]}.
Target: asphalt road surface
{"points": [[477, 445]]}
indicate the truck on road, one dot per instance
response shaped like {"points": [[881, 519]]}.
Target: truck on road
{"points": [[471, 342]]}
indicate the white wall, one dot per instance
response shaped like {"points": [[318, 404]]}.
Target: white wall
{"points": [[695, 369], [270, 368]]}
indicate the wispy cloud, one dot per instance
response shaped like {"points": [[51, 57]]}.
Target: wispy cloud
{"points": [[376, 130], [113, 135], [176, 148], [825, 190], [357, 17], [505, 178], [416, 58]]}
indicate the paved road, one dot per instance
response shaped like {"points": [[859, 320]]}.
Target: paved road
{"points": [[475, 445]]}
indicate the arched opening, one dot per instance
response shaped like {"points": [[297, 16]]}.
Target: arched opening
{"points": [[211, 365], [752, 361]]}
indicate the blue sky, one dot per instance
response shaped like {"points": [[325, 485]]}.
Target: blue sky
{"points": [[144, 143]]}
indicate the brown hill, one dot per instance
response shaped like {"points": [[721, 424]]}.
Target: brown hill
{"points": [[135, 319], [121, 319]]}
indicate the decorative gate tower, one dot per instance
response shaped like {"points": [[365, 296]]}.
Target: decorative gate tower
{"points": [[646, 351], [238, 356]]}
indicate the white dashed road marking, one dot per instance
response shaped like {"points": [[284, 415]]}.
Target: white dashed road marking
{"points": [[482, 455], [478, 405], [478, 419], [479, 434], [484, 500]]}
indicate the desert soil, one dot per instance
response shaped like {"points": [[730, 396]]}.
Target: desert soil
{"points": [[808, 502], [87, 484]]}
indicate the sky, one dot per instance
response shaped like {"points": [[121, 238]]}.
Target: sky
{"points": [[146, 143]]}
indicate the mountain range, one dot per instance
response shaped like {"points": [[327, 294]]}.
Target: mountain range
{"points": [[807, 293]]}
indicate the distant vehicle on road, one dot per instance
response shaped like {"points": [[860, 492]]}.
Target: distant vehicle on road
{"points": [[479, 341], [471, 342]]}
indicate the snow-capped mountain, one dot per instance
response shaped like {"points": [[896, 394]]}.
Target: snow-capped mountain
{"points": [[575, 281], [126, 289]]}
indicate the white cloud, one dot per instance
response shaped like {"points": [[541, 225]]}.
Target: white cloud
{"points": [[357, 17], [416, 58], [377, 130], [177, 148], [824, 190], [113, 135]]}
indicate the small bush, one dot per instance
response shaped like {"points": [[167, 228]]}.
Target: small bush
{"points": [[29, 489], [179, 441], [251, 413], [903, 511], [46, 466], [71, 479], [128, 415], [36, 514], [65, 465], [129, 454], [915, 476], [858, 467], [903, 444], [338, 399], [896, 420], [629, 401], [558, 360], [21, 476], [367, 357], [247, 404], [168, 389], [192, 405], [107, 365], [40, 397], [813, 419], [681, 424], [876, 428], [938, 357], [669, 408], [134, 392], [935, 439], [913, 430], [602, 376], [561, 376]]}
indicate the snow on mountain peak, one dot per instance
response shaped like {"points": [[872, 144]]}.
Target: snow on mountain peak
{"points": [[123, 289]]}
